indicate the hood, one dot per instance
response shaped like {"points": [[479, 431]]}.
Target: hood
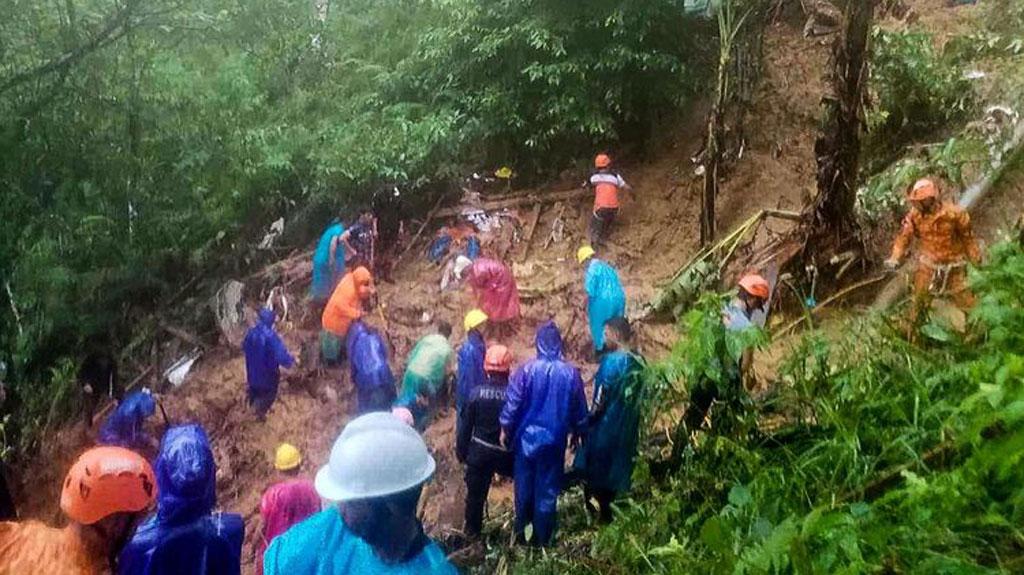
{"points": [[549, 341], [267, 317], [138, 404], [185, 475]]}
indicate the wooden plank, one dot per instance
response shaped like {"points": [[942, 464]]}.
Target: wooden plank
{"points": [[531, 226], [517, 201]]}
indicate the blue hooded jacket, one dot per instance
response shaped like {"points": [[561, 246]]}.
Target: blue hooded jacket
{"points": [[124, 427], [471, 367], [265, 353], [326, 274], [545, 400], [185, 535], [368, 358], [605, 298]]}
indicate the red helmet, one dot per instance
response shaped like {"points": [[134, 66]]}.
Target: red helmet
{"points": [[923, 189], [105, 481], [498, 359], [756, 286], [602, 161]]}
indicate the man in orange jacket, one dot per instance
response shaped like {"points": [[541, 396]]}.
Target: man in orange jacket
{"points": [[344, 307], [606, 184], [946, 244], [106, 493]]}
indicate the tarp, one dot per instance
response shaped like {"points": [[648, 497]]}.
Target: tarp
{"points": [[326, 273], [124, 427], [605, 298], [496, 289]]}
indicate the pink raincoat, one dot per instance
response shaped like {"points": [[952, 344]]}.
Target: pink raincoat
{"points": [[495, 288], [282, 506]]}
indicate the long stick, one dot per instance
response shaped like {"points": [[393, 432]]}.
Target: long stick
{"points": [[426, 221], [832, 299]]}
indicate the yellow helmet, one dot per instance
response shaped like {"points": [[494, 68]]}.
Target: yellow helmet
{"points": [[474, 319], [287, 457], [584, 254]]}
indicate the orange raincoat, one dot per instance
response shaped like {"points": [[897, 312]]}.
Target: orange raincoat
{"points": [[346, 303], [31, 548]]}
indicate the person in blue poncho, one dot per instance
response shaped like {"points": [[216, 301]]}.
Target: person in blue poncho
{"points": [[545, 404], [605, 297], [185, 535], [605, 462], [369, 368], [470, 370], [328, 263], [265, 354], [124, 427], [375, 477]]}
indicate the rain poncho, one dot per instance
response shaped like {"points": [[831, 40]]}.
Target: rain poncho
{"points": [[33, 548], [605, 298], [282, 506], [545, 403], [265, 353], [324, 545], [471, 367], [185, 535], [368, 366], [346, 303], [326, 273], [606, 459], [496, 290], [124, 427], [428, 362]]}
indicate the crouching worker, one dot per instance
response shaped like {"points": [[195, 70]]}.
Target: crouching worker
{"points": [[106, 492], [265, 355], [347, 304], [185, 535], [370, 369], [605, 463], [375, 476], [478, 444], [426, 374], [285, 503]]}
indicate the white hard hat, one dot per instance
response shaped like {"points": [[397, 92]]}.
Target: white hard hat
{"points": [[375, 455]]}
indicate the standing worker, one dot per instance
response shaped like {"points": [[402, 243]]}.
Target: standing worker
{"points": [[98, 377], [369, 368], [265, 354], [471, 357], [605, 462], [545, 404], [495, 288], [106, 493], [426, 374], [605, 297], [328, 263], [185, 535], [478, 444], [606, 184], [946, 243], [361, 241], [375, 476], [287, 502], [346, 305]]}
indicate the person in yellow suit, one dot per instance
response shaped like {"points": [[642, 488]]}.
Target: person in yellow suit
{"points": [[945, 244]]}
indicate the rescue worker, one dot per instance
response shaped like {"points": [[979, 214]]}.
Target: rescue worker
{"points": [[946, 244], [125, 427], [360, 240], [605, 462], [346, 305], [287, 502], [369, 368], [544, 406], [185, 535], [98, 378], [426, 374], [478, 444], [470, 371], [265, 354], [373, 527], [606, 184], [605, 297], [105, 494], [495, 288], [328, 263]]}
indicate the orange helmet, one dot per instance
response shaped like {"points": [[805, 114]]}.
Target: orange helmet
{"points": [[602, 161], [105, 481], [923, 189], [498, 359], [756, 286]]}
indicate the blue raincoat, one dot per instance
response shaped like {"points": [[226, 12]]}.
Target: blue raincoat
{"points": [[606, 459], [324, 545], [326, 273], [369, 368], [185, 535], [605, 298], [124, 427], [471, 367], [265, 353], [544, 404]]}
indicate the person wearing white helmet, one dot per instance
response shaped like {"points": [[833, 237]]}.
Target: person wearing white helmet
{"points": [[375, 476]]}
